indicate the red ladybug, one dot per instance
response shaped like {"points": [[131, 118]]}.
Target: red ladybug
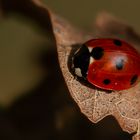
{"points": [[109, 64]]}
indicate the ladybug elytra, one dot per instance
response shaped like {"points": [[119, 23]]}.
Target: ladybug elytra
{"points": [[109, 64]]}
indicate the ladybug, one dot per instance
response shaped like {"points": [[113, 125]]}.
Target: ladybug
{"points": [[109, 64]]}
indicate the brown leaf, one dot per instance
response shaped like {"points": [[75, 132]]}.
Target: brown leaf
{"points": [[94, 103]]}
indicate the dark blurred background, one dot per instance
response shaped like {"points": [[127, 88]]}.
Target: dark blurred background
{"points": [[34, 101]]}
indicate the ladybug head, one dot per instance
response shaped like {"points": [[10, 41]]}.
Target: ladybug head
{"points": [[80, 62], [83, 57]]}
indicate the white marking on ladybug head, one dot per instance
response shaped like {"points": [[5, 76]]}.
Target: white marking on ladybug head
{"points": [[78, 72], [90, 49], [91, 60]]}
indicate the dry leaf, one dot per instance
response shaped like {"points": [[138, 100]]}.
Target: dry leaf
{"points": [[94, 103]]}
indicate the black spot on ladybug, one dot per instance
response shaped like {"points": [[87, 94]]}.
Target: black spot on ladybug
{"points": [[120, 64], [134, 79], [81, 60], [106, 81], [97, 53], [117, 42]]}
